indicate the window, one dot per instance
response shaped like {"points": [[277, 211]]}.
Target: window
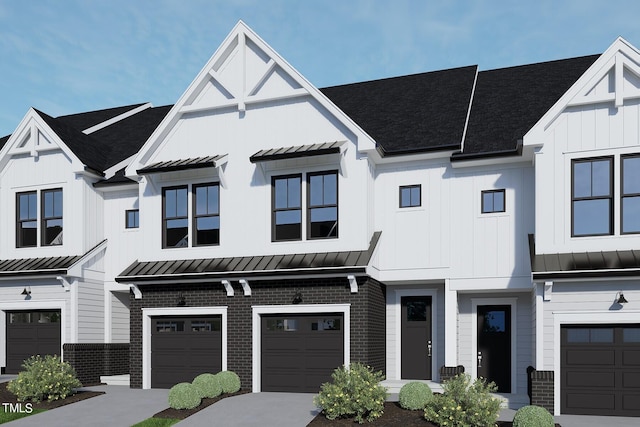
{"points": [[287, 207], [175, 222], [630, 192], [27, 224], [132, 218], [206, 218], [52, 217], [410, 196], [591, 197], [323, 205], [493, 201]]}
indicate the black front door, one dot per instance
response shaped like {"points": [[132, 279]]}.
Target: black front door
{"points": [[416, 338], [494, 345]]}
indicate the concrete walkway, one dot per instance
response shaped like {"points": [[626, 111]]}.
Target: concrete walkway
{"points": [[121, 406]]}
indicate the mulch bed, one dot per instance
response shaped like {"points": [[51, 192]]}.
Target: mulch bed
{"points": [[393, 416], [181, 414], [7, 397]]}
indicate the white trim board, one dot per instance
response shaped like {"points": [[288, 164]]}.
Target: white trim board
{"points": [[513, 302], [259, 310], [148, 313], [598, 317], [433, 293]]}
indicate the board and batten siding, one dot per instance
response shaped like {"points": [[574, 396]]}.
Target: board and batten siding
{"points": [[124, 244]]}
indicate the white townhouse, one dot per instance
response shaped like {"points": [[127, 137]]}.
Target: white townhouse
{"points": [[449, 221]]}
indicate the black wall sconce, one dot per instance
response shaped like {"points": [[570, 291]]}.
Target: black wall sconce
{"points": [[297, 298], [620, 299], [181, 301], [26, 291]]}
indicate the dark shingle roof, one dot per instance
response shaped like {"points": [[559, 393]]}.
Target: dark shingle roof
{"points": [[507, 102], [89, 119], [4, 140], [117, 179], [420, 112], [247, 266]]}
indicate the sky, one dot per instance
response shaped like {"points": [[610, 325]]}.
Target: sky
{"points": [[70, 56]]}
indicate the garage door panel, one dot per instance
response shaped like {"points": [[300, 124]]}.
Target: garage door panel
{"points": [[590, 379], [600, 372], [591, 357], [30, 333], [299, 352]]}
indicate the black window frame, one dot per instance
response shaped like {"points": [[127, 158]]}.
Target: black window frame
{"points": [[575, 199], [485, 210], [624, 195], [194, 229], [323, 206], [275, 210], [44, 218], [127, 223], [19, 221], [410, 187], [165, 218]]}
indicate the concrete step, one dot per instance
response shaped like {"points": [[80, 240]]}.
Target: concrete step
{"points": [[394, 386], [115, 379]]}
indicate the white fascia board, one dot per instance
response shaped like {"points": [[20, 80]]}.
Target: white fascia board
{"points": [[597, 70], [75, 270], [197, 277], [377, 159], [492, 161], [116, 119], [115, 168]]}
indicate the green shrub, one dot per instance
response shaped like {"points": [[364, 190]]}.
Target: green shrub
{"points": [[229, 381], [43, 378], [184, 396], [464, 403], [207, 385], [354, 392], [414, 395], [533, 416]]}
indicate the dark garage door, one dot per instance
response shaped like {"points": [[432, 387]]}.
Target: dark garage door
{"points": [[299, 352], [183, 348], [600, 370], [30, 333]]}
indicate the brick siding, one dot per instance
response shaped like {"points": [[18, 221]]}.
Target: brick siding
{"points": [[367, 315], [542, 389], [90, 361], [448, 372]]}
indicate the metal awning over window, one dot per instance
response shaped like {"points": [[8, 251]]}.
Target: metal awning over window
{"points": [[270, 154], [184, 164]]}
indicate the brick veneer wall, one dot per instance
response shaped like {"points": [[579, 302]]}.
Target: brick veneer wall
{"points": [[542, 389], [448, 372], [367, 315], [90, 361]]}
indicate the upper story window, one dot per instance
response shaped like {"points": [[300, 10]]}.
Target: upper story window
{"points": [[410, 196], [323, 205], [493, 201], [50, 218], [206, 218], [175, 221], [592, 196], [630, 193], [287, 207], [132, 218]]}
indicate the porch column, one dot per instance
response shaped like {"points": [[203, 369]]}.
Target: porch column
{"points": [[450, 325], [539, 313]]}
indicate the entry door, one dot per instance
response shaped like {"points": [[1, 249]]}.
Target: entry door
{"points": [[417, 347], [494, 345]]}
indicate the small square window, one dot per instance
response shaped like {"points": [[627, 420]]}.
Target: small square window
{"points": [[132, 218], [493, 201], [410, 196]]}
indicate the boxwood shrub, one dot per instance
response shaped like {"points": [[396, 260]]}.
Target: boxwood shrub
{"points": [[533, 416], [184, 396], [207, 385], [229, 381], [414, 395]]}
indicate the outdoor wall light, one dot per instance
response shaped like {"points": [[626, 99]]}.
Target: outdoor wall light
{"points": [[181, 301], [26, 291], [620, 299], [297, 298]]}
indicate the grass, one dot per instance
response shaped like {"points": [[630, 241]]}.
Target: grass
{"points": [[156, 422], [5, 417]]}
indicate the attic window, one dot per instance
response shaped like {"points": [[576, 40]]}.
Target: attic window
{"points": [[493, 201]]}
